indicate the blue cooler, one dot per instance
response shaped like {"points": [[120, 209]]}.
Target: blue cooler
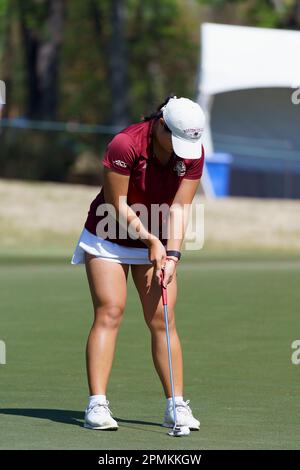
{"points": [[218, 166]]}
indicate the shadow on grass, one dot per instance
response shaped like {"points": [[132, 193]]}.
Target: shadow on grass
{"points": [[135, 421], [59, 416], [72, 417]]}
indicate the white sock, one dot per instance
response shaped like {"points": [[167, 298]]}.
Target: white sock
{"points": [[96, 398], [177, 399]]}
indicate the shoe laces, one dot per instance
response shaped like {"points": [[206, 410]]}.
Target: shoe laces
{"points": [[100, 407], [183, 407]]}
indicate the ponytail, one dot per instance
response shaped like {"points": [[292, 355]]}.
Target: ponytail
{"points": [[158, 113]]}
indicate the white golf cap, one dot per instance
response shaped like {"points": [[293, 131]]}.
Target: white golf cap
{"points": [[185, 119]]}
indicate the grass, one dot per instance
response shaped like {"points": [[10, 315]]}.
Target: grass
{"points": [[237, 317]]}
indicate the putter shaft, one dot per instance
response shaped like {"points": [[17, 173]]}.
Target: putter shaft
{"points": [[166, 318]]}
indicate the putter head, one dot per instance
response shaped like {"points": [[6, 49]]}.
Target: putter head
{"points": [[179, 431]]}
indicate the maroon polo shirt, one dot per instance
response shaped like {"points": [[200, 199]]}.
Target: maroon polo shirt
{"points": [[130, 153]]}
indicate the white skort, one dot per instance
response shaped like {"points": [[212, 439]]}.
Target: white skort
{"points": [[107, 250]]}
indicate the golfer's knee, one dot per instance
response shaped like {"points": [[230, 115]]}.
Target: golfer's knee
{"points": [[157, 323], [108, 316]]}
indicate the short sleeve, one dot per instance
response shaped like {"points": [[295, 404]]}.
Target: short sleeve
{"points": [[195, 169], [120, 154]]}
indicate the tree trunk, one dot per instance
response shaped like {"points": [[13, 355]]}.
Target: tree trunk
{"points": [[118, 64], [293, 19], [42, 57]]}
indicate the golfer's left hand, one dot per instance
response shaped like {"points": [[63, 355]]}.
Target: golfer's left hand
{"points": [[169, 270]]}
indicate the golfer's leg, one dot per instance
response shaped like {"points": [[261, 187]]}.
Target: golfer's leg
{"points": [[150, 295], [108, 288]]}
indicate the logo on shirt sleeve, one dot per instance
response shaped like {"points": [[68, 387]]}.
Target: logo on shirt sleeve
{"points": [[120, 163], [180, 168]]}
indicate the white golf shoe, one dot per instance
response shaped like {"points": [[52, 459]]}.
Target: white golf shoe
{"points": [[98, 416], [184, 416]]}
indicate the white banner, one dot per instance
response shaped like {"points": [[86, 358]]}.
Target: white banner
{"points": [[239, 57]]}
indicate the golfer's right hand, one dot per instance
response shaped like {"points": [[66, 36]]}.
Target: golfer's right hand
{"points": [[157, 256]]}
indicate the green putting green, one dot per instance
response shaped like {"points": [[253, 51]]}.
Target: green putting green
{"points": [[236, 318]]}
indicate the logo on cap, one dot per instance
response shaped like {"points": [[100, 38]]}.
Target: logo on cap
{"points": [[194, 134]]}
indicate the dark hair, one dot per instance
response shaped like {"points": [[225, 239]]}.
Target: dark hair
{"points": [[158, 113]]}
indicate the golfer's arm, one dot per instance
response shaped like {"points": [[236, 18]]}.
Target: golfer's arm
{"points": [[115, 193], [179, 213]]}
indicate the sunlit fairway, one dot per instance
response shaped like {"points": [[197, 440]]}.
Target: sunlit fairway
{"points": [[237, 319]]}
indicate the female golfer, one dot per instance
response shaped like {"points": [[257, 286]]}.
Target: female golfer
{"points": [[155, 163]]}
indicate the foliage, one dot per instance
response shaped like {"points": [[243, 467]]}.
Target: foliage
{"points": [[264, 13], [161, 54], [162, 43]]}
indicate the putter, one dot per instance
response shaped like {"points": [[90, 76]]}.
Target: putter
{"points": [[177, 430]]}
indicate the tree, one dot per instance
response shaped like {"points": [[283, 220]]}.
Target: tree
{"points": [[109, 23], [4, 46], [264, 13], [163, 43], [42, 26]]}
